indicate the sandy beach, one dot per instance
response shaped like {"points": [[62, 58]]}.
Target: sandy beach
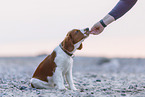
{"points": [[93, 77]]}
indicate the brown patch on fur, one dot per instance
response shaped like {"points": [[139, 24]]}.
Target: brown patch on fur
{"points": [[81, 46], [46, 68], [76, 36], [67, 44]]}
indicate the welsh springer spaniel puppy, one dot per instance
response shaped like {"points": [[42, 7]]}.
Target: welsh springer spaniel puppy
{"points": [[58, 65]]}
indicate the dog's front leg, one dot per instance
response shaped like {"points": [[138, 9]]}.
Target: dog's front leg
{"points": [[69, 78], [58, 79]]}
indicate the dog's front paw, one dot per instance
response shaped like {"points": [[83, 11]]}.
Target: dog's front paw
{"points": [[73, 88], [62, 88]]}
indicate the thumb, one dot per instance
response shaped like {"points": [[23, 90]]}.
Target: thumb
{"points": [[95, 32], [92, 32]]}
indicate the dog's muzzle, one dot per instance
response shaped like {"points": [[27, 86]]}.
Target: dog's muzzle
{"points": [[86, 32]]}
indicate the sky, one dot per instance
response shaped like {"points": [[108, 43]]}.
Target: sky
{"points": [[33, 27]]}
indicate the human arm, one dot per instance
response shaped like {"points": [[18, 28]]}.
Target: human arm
{"points": [[122, 7]]}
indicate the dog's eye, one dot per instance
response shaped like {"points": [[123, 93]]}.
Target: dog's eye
{"points": [[77, 31]]}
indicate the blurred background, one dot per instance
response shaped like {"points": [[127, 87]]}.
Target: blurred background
{"points": [[33, 27]]}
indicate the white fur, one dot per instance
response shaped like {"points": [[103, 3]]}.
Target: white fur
{"points": [[63, 69], [84, 32], [64, 64]]}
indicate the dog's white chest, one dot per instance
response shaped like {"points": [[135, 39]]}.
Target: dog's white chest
{"points": [[63, 61], [67, 65]]}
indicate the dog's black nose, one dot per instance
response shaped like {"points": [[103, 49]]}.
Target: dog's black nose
{"points": [[87, 29]]}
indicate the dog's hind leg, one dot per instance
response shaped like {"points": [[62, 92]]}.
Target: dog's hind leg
{"points": [[36, 83]]}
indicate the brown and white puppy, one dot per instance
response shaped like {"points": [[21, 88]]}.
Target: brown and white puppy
{"points": [[52, 70]]}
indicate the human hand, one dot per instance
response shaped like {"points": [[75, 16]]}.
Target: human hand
{"points": [[97, 28]]}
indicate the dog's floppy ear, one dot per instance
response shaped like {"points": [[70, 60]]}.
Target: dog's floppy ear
{"points": [[80, 47], [67, 44]]}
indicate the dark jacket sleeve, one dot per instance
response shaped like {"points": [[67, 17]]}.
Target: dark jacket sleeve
{"points": [[121, 8]]}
